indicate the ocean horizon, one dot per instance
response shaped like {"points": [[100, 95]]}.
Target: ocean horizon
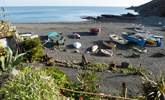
{"points": [[39, 14]]}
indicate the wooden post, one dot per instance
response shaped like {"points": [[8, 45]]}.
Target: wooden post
{"points": [[124, 90], [84, 60]]}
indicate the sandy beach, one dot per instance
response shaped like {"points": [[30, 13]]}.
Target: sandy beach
{"points": [[110, 82]]}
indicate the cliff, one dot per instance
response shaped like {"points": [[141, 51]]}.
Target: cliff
{"points": [[152, 8]]}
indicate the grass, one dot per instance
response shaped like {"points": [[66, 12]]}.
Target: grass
{"points": [[34, 84], [130, 70], [96, 66]]}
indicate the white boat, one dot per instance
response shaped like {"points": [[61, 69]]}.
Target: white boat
{"points": [[118, 39], [94, 48], [107, 52], [139, 30], [140, 50], [77, 45]]}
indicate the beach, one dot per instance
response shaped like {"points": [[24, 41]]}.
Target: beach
{"points": [[110, 82]]}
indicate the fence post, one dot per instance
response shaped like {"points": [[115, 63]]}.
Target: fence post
{"points": [[124, 90]]}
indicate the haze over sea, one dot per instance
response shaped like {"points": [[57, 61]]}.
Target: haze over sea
{"points": [[40, 14]]}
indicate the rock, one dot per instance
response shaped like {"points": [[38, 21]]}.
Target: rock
{"points": [[152, 8]]}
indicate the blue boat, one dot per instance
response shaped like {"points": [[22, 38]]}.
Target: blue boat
{"points": [[134, 38], [143, 39]]}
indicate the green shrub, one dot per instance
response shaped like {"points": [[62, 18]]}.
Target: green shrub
{"points": [[60, 78], [97, 66], [87, 82], [33, 84], [34, 49], [131, 70]]}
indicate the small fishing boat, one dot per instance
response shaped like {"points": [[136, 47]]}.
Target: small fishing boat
{"points": [[118, 39], [77, 45], [109, 44], [94, 31], [139, 30], [138, 38], [94, 48], [106, 52], [140, 50]]}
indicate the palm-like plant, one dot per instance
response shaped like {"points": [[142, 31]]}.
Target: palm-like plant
{"points": [[9, 61], [154, 89]]}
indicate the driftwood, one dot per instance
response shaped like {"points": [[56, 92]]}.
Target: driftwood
{"points": [[102, 95]]}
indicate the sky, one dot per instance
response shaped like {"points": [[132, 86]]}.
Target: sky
{"points": [[116, 3]]}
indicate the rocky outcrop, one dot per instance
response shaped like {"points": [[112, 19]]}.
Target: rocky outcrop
{"points": [[152, 8]]}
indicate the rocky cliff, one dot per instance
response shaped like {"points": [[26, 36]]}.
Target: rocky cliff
{"points": [[153, 8]]}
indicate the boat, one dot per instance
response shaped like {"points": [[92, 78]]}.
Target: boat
{"points": [[139, 30], [139, 50], [139, 39], [118, 39], [109, 44], [94, 48], [56, 38], [94, 31], [77, 45], [106, 52]]}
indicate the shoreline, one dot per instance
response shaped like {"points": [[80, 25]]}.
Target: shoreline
{"points": [[148, 21]]}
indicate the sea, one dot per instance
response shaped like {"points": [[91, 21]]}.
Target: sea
{"points": [[39, 14]]}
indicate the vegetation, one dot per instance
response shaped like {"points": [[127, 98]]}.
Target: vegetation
{"points": [[60, 78], [131, 70], [154, 89], [97, 66], [34, 84], [87, 82], [33, 48], [9, 61]]}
